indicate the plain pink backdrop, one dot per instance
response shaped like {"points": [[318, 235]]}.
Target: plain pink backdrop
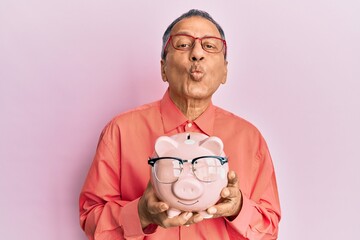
{"points": [[67, 67]]}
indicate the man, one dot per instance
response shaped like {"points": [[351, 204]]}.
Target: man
{"points": [[117, 200]]}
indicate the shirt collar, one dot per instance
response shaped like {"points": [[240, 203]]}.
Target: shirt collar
{"points": [[172, 117]]}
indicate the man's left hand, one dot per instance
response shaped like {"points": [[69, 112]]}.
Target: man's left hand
{"points": [[231, 199]]}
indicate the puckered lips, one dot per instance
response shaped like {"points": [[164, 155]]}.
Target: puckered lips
{"points": [[196, 72]]}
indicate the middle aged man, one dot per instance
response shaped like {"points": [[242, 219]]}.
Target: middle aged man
{"points": [[117, 200]]}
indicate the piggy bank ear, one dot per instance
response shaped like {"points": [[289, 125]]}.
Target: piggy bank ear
{"points": [[214, 144], [164, 144]]}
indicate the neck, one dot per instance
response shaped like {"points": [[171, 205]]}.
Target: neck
{"points": [[191, 108]]}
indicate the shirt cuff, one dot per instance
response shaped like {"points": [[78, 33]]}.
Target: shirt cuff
{"points": [[130, 220], [242, 221]]}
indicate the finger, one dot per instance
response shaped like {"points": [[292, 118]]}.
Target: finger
{"points": [[225, 209], [196, 218], [180, 220], [230, 192], [229, 205], [157, 207], [212, 210], [221, 209], [232, 179], [154, 205]]}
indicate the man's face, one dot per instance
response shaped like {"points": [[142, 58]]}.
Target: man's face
{"points": [[194, 74]]}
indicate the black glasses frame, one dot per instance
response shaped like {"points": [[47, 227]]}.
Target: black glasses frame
{"points": [[152, 161]]}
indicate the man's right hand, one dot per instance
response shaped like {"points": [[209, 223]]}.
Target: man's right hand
{"points": [[153, 211]]}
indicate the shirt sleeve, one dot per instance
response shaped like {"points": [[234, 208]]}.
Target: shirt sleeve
{"points": [[103, 212], [260, 214]]}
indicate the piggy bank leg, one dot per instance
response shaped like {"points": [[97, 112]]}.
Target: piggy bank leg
{"points": [[172, 212], [205, 215]]}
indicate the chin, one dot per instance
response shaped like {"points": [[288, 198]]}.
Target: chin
{"points": [[199, 95]]}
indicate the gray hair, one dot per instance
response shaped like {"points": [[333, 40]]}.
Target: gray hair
{"points": [[191, 13]]}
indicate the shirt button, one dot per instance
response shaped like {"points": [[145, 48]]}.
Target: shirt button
{"points": [[189, 125]]}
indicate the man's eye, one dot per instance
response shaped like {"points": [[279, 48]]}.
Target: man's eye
{"points": [[209, 46], [184, 45]]}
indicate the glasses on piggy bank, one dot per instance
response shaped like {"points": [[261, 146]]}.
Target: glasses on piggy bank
{"points": [[205, 168]]}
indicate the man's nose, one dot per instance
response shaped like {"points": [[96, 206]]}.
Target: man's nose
{"points": [[197, 52]]}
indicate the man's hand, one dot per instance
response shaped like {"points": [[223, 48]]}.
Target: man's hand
{"points": [[153, 211], [231, 199]]}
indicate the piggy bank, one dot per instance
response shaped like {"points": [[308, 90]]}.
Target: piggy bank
{"points": [[188, 172]]}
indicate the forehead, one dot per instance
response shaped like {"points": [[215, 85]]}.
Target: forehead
{"points": [[196, 26]]}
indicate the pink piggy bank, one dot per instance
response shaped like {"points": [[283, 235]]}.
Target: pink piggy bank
{"points": [[189, 172]]}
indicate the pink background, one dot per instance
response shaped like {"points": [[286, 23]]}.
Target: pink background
{"points": [[67, 67]]}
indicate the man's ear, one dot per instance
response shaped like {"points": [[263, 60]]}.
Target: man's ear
{"points": [[225, 72], [163, 68]]}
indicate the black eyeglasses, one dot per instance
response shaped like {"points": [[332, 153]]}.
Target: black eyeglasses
{"points": [[184, 42], [205, 168]]}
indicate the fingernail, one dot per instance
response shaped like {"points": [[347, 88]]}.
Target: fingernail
{"points": [[212, 210], [163, 207], [188, 215]]}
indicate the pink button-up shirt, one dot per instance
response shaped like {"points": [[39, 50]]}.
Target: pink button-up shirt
{"points": [[119, 175]]}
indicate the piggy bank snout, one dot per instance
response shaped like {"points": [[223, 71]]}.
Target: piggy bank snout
{"points": [[188, 189]]}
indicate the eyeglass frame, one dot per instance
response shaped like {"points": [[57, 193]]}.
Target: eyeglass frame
{"points": [[222, 160], [195, 38]]}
